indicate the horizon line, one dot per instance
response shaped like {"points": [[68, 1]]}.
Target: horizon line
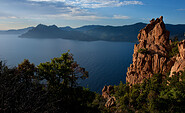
{"points": [[80, 26]]}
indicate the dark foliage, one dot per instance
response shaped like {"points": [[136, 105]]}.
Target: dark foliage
{"points": [[52, 87], [23, 91], [174, 47]]}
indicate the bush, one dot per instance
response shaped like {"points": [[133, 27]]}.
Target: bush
{"points": [[174, 49]]}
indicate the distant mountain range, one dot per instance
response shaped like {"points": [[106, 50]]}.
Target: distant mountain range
{"points": [[18, 31], [43, 31], [126, 33]]}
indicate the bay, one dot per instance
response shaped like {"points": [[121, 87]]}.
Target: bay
{"points": [[106, 62]]}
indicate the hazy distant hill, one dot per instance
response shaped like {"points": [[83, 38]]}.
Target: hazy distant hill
{"points": [[88, 27], [67, 28], [176, 30], [111, 33], [18, 31], [43, 31], [126, 33]]}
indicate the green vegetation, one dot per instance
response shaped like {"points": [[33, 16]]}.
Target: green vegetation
{"points": [[49, 87], [62, 71], [53, 87], [145, 50], [155, 95], [174, 45]]}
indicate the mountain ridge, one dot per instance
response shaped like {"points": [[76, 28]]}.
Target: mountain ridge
{"points": [[16, 31], [42, 31], [125, 33]]}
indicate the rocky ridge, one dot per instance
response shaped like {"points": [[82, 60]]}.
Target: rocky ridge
{"points": [[151, 55]]}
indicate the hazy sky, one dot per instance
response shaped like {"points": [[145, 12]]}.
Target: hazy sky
{"points": [[16, 14]]}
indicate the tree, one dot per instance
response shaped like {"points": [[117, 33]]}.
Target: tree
{"points": [[22, 92], [63, 70], [19, 92], [26, 71]]}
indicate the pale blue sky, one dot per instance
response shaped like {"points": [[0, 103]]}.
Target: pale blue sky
{"points": [[15, 14]]}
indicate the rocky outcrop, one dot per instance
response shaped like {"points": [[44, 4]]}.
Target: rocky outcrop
{"points": [[110, 102], [106, 91], [106, 94], [151, 54], [180, 59], [154, 54]]}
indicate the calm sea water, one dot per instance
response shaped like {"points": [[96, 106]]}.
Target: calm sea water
{"points": [[106, 62]]}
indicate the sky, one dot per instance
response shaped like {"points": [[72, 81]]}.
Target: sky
{"points": [[16, 14]]}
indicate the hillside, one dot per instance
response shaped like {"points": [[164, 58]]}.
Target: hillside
{"points": [[126, 33], [18, 31], [43, 31]]}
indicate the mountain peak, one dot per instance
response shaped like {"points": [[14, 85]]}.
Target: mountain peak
{"points": [[53, 26], [41, 26], [45, 27], [139, 23]]}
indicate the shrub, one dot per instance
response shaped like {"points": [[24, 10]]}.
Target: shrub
{"points": [[174, 49], [145, 50]]}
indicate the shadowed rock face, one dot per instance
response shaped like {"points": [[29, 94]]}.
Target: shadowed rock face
{"points": [[151, 54]]}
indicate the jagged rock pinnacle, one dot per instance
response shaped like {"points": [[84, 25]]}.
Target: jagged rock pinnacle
{"points": [[151, 54]]}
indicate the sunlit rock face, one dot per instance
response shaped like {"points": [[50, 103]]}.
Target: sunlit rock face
{"points": [[106, 94], [151, 54], [180, 59]]}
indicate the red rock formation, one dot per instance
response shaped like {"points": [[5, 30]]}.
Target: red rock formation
{"points": [[151, 57], [180, 59], [106, 94], [151, 54], [106, 91], [110, 102]]}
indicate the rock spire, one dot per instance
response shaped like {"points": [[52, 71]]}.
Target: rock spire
{"points": [[151, 54]]}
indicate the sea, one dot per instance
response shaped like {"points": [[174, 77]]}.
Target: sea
{"points": [[106, 62]]}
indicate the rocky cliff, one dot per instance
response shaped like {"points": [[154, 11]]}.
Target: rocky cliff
{"points": [[179, 64], [151, 55]]}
